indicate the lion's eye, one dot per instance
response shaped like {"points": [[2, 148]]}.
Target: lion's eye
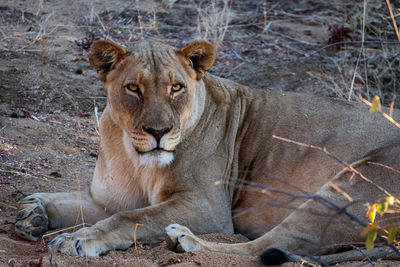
{"points": [[133, 88], [176, 87]]}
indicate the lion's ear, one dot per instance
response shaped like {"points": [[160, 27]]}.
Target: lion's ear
{"points": [[202, 56], [104, 55]]}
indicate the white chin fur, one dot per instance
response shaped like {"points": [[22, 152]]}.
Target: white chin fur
{"points": [[160, 159]]}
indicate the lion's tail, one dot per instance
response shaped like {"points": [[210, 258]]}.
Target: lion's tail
{"points": [[275, 256]]}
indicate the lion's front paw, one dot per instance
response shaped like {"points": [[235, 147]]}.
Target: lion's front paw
{"points": [[181, 239], [65, 243], [32, 221], [81, 243]]}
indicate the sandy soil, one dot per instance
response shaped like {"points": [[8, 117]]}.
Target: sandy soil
{"points": [[48, 129]]}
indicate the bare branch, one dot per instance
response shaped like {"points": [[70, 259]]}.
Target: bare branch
{"points": [[386, 116], [349, 166]]}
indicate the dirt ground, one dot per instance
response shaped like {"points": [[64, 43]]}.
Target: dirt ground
{"points": [[50, 96]]}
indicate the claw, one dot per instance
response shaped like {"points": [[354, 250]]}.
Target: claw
{"points": [[67, 243], [58, 243], [78, 247]]}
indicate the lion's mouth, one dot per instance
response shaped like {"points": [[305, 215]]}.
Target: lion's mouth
{"points": [[154, 151], [156, 157]]}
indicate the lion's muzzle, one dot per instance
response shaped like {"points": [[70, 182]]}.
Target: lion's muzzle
{"points": [[157, 134], [156, 147]]}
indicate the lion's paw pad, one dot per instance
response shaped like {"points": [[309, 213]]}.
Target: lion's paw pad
{"points": [[32, 221]]}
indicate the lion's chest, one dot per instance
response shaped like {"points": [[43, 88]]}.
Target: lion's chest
{"points": [[131, 189]]}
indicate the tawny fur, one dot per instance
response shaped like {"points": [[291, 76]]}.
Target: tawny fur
{"points": [[217, 134]]}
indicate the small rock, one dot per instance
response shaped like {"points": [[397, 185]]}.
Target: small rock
{"points": [[55, 174], [93, 153], [20, 113]]}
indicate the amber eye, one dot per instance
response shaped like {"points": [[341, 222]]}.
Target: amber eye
{"points": [[132, 87], [176, 87]]}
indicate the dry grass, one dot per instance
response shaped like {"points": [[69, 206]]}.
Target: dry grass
{"points": [[370, 66], [363, 67], [213, 21]]}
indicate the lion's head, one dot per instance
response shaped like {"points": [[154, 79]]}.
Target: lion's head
{"points": [[155, 93]]}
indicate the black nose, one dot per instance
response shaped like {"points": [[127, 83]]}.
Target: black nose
{"points": [[158, 134]]}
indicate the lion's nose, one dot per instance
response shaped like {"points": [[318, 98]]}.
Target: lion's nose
{"points": [[158, 134]]}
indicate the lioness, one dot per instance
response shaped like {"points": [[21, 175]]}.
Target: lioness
{"points": [[182, 146]]}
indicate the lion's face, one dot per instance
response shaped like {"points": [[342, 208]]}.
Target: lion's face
{"points": [[155, 94]]}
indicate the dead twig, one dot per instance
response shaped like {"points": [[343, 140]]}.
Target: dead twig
{"points": [[8, 206], [392, 106], [386, 116], [96, 114], [42, 55], [24, 174], [339, 190], [384, 166], [393, 19], [360, 52], [64, 229], [353, 43], [135, 242], [329, 154], [324, 202]]}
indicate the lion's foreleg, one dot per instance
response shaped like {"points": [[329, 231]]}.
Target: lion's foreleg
{"points": [[145, 225], [43, 211]]}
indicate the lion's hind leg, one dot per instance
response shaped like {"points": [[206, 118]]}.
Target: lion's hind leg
{"points": [[326, 218], [180, 238]]}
